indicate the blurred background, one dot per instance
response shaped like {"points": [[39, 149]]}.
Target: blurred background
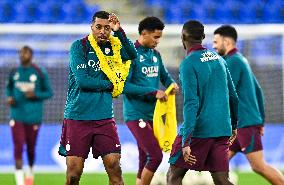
{"points": [[50, 26]]}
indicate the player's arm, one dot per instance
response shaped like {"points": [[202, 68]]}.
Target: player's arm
{"points": [[128, 51], [45, 90], [260, 99], [233, 100], [133, 89], [78, 65], [9, 89], [188, 78]]}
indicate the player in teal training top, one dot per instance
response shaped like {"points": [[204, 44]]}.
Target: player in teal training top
{"points": [[27, 88], [209, 111], [88, 115], [142, 90], [251, 115]]}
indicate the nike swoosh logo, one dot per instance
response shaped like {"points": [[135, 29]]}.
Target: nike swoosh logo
{"points": [[116, 145]]}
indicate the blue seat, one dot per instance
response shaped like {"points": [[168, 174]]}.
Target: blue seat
{"points": [[7, 13], [52, 12], [27, 12], [77, 13]]}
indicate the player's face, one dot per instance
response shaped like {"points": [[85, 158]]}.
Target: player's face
{"points": [[219, 45], [152, 38], [25, 56], [101, 30]]}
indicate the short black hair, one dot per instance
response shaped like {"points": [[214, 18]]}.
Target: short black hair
{"points": [[26, 47], [194, 30], [227, 31], [101, 15], [150, 24]]}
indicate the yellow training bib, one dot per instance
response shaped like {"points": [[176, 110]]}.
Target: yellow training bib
{"points": [[165, 121]]}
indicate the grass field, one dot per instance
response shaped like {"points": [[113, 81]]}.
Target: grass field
{"points": [[101, 179]]}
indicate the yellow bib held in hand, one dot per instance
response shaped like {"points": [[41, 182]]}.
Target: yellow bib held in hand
{"points": [[112, 66], [165, 121]]}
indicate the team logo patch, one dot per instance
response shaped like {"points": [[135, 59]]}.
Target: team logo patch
{"points": [[155, 59], [16, 76], [12, 122], [142, 123], [107, 50], [33, 78], [67, 147]]}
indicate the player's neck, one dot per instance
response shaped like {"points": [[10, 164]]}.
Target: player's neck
{"points": [[230, 48], [26, 64], [141, 42], [189, 45]]}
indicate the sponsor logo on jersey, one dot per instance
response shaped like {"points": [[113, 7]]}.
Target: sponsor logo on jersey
{"points": [[151, 71], [25, 86], [93, 64], [209, 56]]}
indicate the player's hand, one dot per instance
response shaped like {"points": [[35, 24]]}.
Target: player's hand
{"points": [[161, 95], [11, 101], [175, 89], [261, 131], [114, 22], [187, 156], [30, 94], [233, 137]]}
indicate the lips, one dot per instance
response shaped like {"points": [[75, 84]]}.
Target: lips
{"points": [[102, 37]]}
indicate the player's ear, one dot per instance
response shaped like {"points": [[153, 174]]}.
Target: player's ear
{"points": [[144, 32]]}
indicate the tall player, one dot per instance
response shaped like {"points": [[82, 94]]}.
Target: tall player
{"points": [[251, 105], [141, 93], [27, 88], [202, 142], [88, 117]]}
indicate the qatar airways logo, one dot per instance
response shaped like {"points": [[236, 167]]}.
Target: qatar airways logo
{"points": [[93, 64], [209, 56], [151, 71]]}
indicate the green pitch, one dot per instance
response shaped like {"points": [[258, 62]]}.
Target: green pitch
{"points": [[101, 179]]}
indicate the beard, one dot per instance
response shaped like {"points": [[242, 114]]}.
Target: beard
{"points": [[222, 50]]}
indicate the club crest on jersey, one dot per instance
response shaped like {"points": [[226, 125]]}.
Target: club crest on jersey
{"points": [[142, 59], [33, 78], [107, 50], [155, 59], [16, 76]]}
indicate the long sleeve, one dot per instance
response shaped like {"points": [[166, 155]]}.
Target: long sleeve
{"points": [[128, 51], [45, 90], [78, 65], [233, 100], [260, 99], [166, 78], [10, 84], [235, 67], [133, 89], [189, 84]]}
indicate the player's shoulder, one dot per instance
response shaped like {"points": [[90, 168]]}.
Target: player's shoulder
{"points": [[76, 44], [40, 70], [156, 52]]}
